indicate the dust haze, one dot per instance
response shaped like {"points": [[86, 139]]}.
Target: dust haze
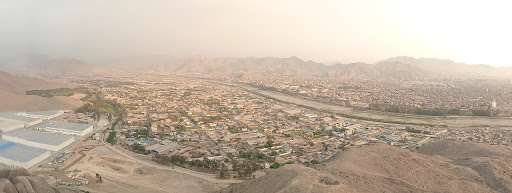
{"points": [[255, 96], [103, 32]]}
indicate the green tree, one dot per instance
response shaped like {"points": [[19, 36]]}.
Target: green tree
{"points": [[224, 171], [138, 148], [270, 143], [275, 165], [235, 164]]}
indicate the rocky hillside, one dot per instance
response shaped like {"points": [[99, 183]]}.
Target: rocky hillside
{"points": [[383, 168], [491, 162], [206, 65], [403, 68], [19, 180]]}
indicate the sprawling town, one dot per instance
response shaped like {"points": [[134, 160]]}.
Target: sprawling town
{"points": [[283, 96], [209, 125], [434, 93], [196, 119]]}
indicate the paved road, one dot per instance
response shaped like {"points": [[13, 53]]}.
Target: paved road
{"points": [[236, 121], [212, 143]]}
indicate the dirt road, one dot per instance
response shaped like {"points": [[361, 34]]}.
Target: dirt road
{"points": [[210, 177]]}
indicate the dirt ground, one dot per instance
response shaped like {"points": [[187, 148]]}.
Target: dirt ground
{"points": [[440, 167], [22, 102], [73, 101], [121, 174]]}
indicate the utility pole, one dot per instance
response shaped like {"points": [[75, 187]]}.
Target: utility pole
{"points": [[148, 117], [56, 180]]}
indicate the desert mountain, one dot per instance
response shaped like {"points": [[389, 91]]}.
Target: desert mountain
{"points": [[205, 65], [394, 68], [397, 68], [51, 66], [450, 68], [19, 84], [444, 166], [13, 97], [271, 66]]}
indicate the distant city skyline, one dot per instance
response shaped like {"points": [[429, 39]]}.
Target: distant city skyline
{"points": [[101, 32]]}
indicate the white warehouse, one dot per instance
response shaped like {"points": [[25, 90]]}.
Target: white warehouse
{"points": [[66, 128], [45, 115], [11, 121], [48, 141], [13, 154], [10, 125]]}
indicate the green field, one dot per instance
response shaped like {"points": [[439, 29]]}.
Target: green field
{"points": [[52, 92]]}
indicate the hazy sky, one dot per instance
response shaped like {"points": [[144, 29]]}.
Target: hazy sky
{"points": [[100, 31]]}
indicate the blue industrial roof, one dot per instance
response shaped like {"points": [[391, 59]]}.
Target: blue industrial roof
{"points": [[19, 152], [165, 147], [66, 125]]}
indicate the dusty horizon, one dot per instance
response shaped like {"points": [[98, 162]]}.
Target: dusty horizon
{"points": [[101, 32]]}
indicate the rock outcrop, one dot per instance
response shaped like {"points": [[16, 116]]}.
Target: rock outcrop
{"points": [[19, 180]]}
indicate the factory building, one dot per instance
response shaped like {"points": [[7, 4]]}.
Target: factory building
{"points": [[45, 115], [13, 154], [66, 128], [48, 141], [10, 125], [160, 148], [12, 118], [351, 129]]}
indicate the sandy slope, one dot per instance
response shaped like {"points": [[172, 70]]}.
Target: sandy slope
{"points": [[21, 102], [20, 84], [122, 173], [383, 168], [13, 97], [491, 162]]}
